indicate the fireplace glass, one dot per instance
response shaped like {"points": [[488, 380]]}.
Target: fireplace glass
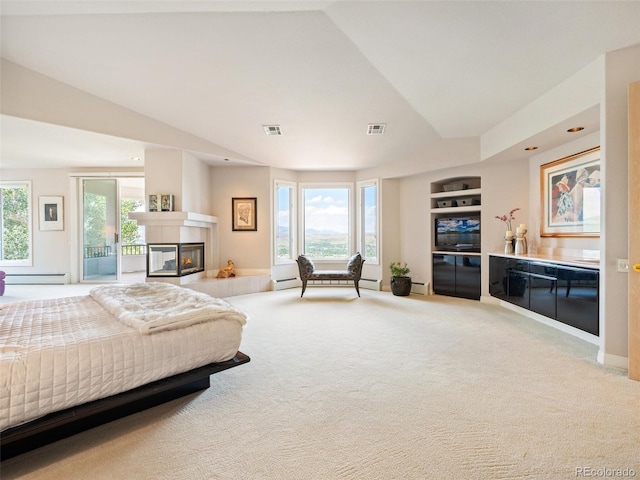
{"points": [[174, 259]]}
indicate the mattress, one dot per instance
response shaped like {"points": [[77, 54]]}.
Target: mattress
{"points": [[58, 353]]}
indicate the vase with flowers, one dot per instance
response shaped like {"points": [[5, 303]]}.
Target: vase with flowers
{"points": [[509, 235]]}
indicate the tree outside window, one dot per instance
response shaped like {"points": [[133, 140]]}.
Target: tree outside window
{"points": [[15, 238]]}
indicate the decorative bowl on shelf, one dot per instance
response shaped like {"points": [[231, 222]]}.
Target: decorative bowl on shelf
{"points": [[447, 203]]}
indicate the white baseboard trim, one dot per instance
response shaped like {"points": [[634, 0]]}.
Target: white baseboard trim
{"points": [[370, 284], [420, 288], [37, 278], [489, 299], [613, 360]]}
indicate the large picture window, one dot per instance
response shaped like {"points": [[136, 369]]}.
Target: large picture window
{"points": [[15, 223], [327, 221]]}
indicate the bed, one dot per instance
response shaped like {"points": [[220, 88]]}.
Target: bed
{"points": [[68, 364]]}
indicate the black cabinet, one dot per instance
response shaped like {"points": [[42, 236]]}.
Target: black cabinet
{"points": [[564, 293], [457, 275], [509, 280], [578, 294], [444, 274]]}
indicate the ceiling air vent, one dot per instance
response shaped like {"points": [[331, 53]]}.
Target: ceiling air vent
{"points": [[271, 130], [376, 128]]}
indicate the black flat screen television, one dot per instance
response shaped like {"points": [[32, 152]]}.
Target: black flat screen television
{"points": [[458, 233]]}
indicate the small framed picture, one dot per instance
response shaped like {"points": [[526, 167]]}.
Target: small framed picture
{"points": [[51, 213], [244, 214], [153, 203], [166, 203]]}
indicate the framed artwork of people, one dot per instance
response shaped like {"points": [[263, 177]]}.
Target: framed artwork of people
{"points": [[570, 190]]}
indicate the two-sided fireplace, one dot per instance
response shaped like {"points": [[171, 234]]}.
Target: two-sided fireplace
{"points": [[174, 259]]}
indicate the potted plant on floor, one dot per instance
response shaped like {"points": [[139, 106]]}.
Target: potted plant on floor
{"points": [[400, 282]]}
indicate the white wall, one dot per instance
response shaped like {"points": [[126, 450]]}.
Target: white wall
{"points": [[622, 68], [390, 230], [247, 249]]}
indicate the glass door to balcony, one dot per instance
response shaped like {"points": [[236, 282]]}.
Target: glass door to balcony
{"points": [[100, 230]]}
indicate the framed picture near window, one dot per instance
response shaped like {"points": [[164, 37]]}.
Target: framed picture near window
{"points": [[51, 213], [570, 189], [244, 214]]}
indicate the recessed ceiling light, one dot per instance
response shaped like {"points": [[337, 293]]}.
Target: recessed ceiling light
{"points": [[272, 130], [531, 148], [376, 128], [575, 129]]}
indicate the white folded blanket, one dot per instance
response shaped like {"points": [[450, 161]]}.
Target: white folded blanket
{"points": [[156, 306]]}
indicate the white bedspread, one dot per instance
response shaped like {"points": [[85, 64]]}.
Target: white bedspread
{"points": [[153, 307], [58, 353]]}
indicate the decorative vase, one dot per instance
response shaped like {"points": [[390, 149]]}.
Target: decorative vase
{"points": [[508, 244], [521, 241]]}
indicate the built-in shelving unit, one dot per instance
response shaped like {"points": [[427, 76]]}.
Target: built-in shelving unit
{"points": [[471, 195], [456, 265], [466, 201]]}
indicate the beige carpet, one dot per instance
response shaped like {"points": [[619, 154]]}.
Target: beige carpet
{"points": [[381, 387]]}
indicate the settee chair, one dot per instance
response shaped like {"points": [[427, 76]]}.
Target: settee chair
{"points": [[2, 282], [308, 271]]}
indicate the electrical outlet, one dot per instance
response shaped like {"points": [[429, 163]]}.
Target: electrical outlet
{"points": [[623, 265]]}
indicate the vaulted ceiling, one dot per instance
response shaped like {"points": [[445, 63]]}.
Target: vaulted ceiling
{"points": [[321, 70]]}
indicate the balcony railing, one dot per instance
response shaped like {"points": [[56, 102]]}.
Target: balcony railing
{"points": [[96, 252], [106, 251], [134, 249]]}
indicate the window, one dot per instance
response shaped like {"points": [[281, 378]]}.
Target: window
{"points": [[327, 221], [368, 220], [15, 222], [285, 201]]}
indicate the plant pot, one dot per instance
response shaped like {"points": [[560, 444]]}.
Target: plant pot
{"points": [[401, 286]]}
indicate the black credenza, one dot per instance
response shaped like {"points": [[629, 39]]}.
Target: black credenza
{"points": [[457, 275], [564, 293]]}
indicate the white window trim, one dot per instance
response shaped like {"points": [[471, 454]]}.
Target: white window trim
{"points": [[29, 261], [293, 220], [360, 219]]}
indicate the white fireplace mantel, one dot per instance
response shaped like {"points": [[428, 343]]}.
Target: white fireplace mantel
{"points": [[173, 219]]}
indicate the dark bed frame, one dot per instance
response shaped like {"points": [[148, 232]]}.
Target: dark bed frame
{"points": [[58, 425]]}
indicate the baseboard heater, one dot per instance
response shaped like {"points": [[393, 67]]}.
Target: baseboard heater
{"points": [[371, 284], [37, 278], [420, 288], [286, 283]]}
